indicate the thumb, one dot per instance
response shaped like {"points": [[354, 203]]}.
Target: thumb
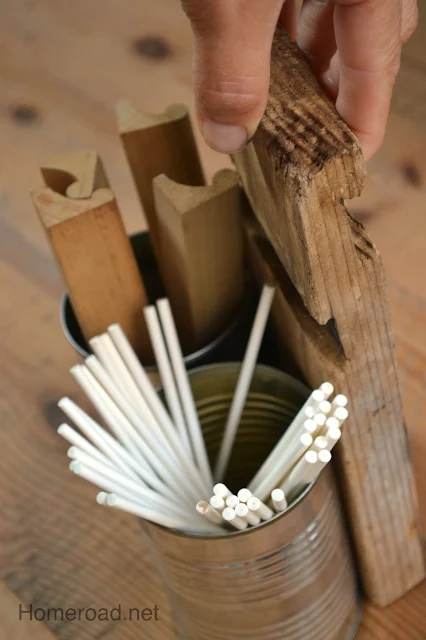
{"points": [[232, 52]]}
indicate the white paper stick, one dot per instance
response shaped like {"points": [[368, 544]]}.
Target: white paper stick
{"points": [[242, 511], [324, 407], [184, 387], [102, 481], [206, 510], [74, 438], [143, 421], [339, 401], [244, 381], [327, 389], [324, 458], [171, 522], [103, 348], [150, 405], [259, 508], [244, 494], [310, 426], [319, 443], [279, 500], [310, 412], [120, 456], [232, 501], [166, 375], [293, 431], [320, 419], [75, 453], [221, 490], [218, 503], [149, 432], [94, 469], [341, 415], [124, 430], [333, 436], [332, 423], [229, 515], [131, 463], [101, 498], [299, 476], [289, 458]]}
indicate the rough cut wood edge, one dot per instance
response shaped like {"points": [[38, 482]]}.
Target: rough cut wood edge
{"points": [[301, 164], [202, 254], [156, 144], [76, 174], [97, 262]]}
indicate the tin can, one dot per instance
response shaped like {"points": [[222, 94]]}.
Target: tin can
{"points": [[228, 345], [291, 578]]}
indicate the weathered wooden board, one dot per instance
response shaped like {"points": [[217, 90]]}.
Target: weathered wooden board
{"points": [[301, 165]]}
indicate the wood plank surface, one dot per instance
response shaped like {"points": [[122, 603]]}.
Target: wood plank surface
{"points": [[299, 166], [63, 66]]}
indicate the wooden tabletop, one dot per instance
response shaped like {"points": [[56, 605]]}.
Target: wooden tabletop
{"points": [[63, 66]]}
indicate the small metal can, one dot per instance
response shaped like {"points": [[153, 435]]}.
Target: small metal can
{"points": [[291, 578]]}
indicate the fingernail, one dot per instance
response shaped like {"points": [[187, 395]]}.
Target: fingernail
{"points": [[224, 138]]}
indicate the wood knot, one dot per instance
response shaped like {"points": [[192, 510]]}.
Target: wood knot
{"points": [[153, 47], [412, 174], [24, 114]]}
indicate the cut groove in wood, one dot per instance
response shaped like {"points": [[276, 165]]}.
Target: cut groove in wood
{"points": [[200, 236], [301, 165], [156, 144], [75, 175]]}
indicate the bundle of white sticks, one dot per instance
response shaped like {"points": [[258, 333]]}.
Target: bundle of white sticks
{"points": [[151, 461]]}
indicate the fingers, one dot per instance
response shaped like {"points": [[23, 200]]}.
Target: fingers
{"points": [[410, 18], [231, 66], [289, 18], [368, 38], [316, 35]]}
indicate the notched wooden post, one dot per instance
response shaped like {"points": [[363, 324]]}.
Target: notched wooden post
{"points": [[85, 229], [301, 165], [200, 236], [155, 144]]}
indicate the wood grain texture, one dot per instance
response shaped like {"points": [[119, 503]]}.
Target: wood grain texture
{"points": [[301, 165], [13, 628], [94, 254], [53, 59], [202, 263], [156, 144]]}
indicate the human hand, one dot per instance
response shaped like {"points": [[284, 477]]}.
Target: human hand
{"points": [[353, 46]]}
